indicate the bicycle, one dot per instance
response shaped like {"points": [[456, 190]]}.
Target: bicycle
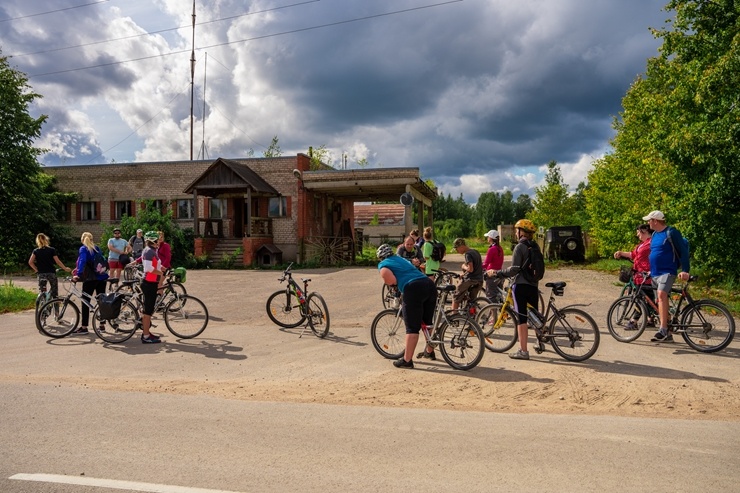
{"points": [[293, 306], [572, 332], [60, 316], [706, 325], [44, 293], [185, 316], [458, 336], [497, 320], [172, 286]]}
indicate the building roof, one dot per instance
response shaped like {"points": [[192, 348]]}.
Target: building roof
{"points": [[388, 214], [228, 176]]}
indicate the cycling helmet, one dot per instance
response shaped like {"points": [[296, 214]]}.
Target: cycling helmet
{"points": [[151, 236], [525, 225], [384, 251]]}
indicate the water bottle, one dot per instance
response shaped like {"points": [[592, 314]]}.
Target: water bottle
{"points": [[301, 298], [534, 318]]}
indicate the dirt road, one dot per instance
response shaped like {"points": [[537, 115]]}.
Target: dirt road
{"points": [[242, 355]]}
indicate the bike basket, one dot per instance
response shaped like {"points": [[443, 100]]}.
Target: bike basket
{"points": [[109, 305], [180, 274], [625, 274]]}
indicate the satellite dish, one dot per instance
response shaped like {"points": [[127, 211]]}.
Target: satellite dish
{"points": [[407, 198]]}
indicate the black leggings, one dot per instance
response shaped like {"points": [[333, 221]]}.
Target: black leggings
{"points": [[98, 287]]}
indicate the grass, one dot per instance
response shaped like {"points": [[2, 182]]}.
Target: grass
{"points": [[15, 299]]}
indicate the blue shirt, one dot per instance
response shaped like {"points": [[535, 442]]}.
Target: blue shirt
{"points": [[662, 257], [404, 270]]}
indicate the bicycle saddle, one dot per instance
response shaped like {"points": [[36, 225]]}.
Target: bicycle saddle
{"points": [[447, 288]]}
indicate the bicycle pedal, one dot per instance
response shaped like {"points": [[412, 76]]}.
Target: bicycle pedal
{"points": [[539, 348]]}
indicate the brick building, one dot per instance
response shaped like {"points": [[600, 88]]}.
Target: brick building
{"points": [[272, 208]]}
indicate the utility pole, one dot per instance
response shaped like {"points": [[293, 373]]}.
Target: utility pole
{"points": [[192, 84]]}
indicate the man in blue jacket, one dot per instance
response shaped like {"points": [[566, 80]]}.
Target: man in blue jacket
{"points": [[668, 251]]}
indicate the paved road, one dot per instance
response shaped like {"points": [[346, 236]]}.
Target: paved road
{"points": [[232, 410]]}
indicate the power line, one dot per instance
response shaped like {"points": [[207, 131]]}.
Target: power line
{"points": [[321, 26], [92, 43], [52, 11]]}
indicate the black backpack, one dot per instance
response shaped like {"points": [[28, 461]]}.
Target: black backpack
{"points": [[438, 251], [534, 267]]}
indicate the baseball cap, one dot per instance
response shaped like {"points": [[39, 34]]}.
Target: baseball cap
{"points": [[116, 230], [139, 230], [493, 234], [655, 215]]}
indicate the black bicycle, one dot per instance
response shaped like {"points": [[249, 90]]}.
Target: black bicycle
{"points": [[293, 306]]}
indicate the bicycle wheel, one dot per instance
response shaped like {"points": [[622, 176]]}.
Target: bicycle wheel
{"points": [[574, 335], [186, 316], [318, 313], [119, 329], [283, 309], [461, 343], [57, 318], [707, 326], [388, 333], [626, 319], [502, 338]]}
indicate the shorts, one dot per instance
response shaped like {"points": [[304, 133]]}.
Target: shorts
{"points": [[149, 289], [419, 301], [114, 264], [468, 289], [664, 282]]}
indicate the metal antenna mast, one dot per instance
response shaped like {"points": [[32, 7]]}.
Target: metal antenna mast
{"points": [[192, 84], [203, 151]]}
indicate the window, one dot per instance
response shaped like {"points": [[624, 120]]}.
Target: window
{"points": [[158, 205], [278, 207], [216, 208], [121, 208], [88, 211], [185, 209], [63, 212]]}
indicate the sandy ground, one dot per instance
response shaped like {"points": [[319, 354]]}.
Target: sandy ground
{"points": [[242, 355]]}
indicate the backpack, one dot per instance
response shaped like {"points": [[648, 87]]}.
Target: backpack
{"points": [[534, 267], [98, 265], [109, 305], [676, 251], [438, 251]]}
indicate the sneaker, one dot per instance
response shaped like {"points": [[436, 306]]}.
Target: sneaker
{"points": [[150, 340], [631, 325], [402, 363], [519, 355], [81, 330], [661, 337], [425, 354]]}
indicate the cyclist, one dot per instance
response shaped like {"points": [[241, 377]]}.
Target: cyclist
{"points": [[410, 252], [640, 257], [494, 261], [430, 266], [419, 299], [42, 262], [472, 268], [92, 282], [117, 246], [524, 289], [152, 273], [664, 267]]}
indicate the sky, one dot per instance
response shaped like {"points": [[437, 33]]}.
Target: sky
{"points": [[480, 95]]}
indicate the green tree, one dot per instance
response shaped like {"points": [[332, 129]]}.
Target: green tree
{"points": [[24, 210], [273, 150], [522, 207], [678, 139], [320, 157], [553, 205]]}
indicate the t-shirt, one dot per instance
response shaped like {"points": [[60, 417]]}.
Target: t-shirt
{"points": [[413, 254], [473, 257], [641, 260], [150, 261], [137, 245], [45, 260], [432, 265], [494, 257], [404, 270], [119, 244]]}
